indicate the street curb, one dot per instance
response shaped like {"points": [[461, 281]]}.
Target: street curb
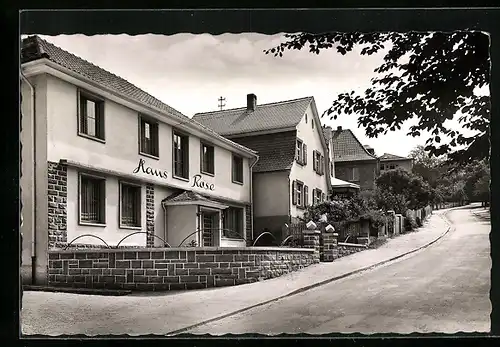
{"points": [[88, 291], [318, 284]]}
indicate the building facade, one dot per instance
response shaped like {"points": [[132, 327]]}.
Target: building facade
{"points": [[353, 162], [105, 163], [293, 168], [390, 162]]}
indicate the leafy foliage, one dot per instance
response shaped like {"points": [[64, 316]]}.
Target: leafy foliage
{"points": [[403, 190], [429, 77]]}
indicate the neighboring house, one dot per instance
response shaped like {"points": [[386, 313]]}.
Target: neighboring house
{"points": [[340, 188], [293, 168], [353, 162], [102, 157], [391, 162]]}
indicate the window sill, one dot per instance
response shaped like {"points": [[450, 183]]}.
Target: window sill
{"points": [[207, 173], [300, 163], [237, 182], [130, 227], [149, 155], [181, 178], [101, 225], [90, 137], [232, 238]]}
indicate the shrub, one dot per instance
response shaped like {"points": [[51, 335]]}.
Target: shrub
{"points": [[418, 221], [410, 224]]}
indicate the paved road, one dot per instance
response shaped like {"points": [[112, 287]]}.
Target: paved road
{"points": [[444, 288]]}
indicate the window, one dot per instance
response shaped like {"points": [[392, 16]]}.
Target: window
{"points": [[312, 124], [306, 118], [300, 194], [233, 223], [353, 174], [90, 116], [130, 205], [319, 163], [301, 152], [237, 172], [392, 167], [148, 137], [318, 196], [181, 155], [92, 200], [382, 167], [207, 159]]}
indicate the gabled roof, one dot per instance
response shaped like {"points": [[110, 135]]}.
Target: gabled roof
{"points": [[191, 198], [346, 147], [276, 151], [34, 48], [389, 157], [273, 116]]}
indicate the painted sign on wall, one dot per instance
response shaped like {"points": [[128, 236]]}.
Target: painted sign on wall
{"points": [[148, 170], [198, 182]]}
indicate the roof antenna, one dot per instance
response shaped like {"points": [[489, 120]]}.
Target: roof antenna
{"points": [[221, 104]]}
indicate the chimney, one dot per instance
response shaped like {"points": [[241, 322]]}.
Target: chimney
{"points": [[339, 128], [251, 102]]}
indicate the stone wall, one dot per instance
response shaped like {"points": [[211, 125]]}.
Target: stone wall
{"points": [[172, 268], [57, 203], [349, 248]]}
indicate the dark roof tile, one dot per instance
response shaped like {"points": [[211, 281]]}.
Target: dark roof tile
{"points": [[346, 147], [277, 115]]}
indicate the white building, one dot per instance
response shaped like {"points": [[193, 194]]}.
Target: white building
{"points": [[101, 157]]}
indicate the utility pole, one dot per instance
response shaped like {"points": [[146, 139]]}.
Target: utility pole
{"points": [[221, 102]]}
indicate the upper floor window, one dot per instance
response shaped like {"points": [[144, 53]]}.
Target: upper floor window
{"points": [[237, 169], [312, 123], [382, 167], [300, 194], [207, 159], [181, 155], [392, 167], [301, 152], [90, 116], [306, 118], [318, 163], [148, 137], [92, 199], [130, 205], [353, 174]]}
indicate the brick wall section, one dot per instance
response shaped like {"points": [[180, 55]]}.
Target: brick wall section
{"points": [[172, 269], [57, 203], [311, 240], [150, 215], [248, 221], [330, 250]]}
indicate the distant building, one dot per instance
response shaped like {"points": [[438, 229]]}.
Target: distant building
{"points": [[390, 162], [353, 162]]}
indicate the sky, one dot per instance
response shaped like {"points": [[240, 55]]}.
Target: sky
{"points": [[190, 72]]}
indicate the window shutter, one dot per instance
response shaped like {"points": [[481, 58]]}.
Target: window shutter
{"points": [[323, 197], [294, 193], [314, 160], [321, 165], [304, 154], [314, 196], [306, 196]]}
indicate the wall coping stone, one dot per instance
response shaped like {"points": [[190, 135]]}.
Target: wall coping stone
{"points": [[333, 234], [311, 232], [182, 249], [352, 245]]}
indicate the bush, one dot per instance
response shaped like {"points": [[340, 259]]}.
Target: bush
{"points": [[418, 221], [410, 224]]}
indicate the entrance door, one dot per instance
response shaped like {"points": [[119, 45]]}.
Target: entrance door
{"points": [[210, 228]]}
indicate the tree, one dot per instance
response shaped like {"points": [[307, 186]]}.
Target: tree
{"points": [[400, 184], [428, 167], [482, 189], [429, 77]]}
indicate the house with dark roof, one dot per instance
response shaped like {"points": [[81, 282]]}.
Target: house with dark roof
{"points": [[354, 163], [116, 165], [293, 167], [391, 161]]}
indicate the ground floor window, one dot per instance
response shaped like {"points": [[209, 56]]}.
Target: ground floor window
{"points": [[130, 205], [92, 199], [233, 222]]}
